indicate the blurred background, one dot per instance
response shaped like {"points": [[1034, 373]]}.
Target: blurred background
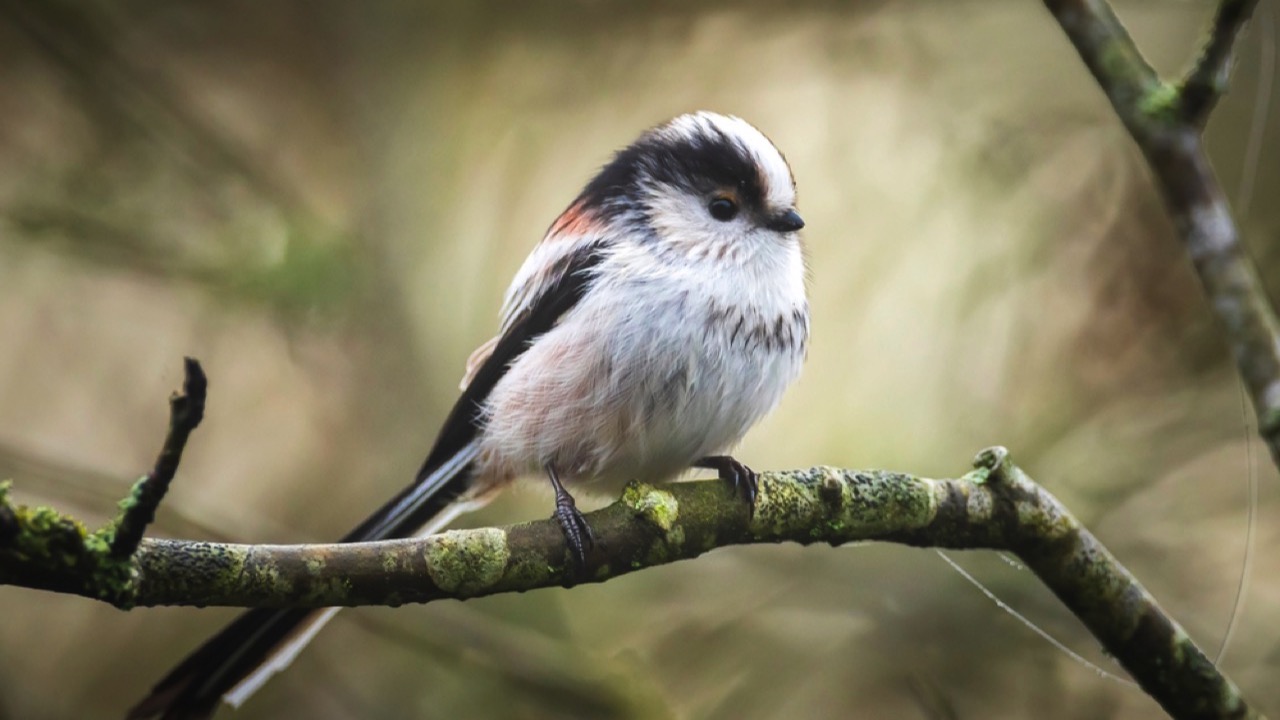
{"points": [[324, 201]]}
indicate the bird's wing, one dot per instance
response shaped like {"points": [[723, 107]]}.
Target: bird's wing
{"points": [[557, 274], [243, 652], [547, 267], [553, 268]]}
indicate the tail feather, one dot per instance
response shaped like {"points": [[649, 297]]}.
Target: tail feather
{"points": [[233, 657], [237, 661], [285, 653], [282, 656], [194, 688], [438, 485]]}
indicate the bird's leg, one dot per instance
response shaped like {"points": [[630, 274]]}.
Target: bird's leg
{"points": [[742, 478], [576, 530]]}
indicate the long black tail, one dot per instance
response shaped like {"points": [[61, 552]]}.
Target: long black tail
{"points": [[193, 689]]}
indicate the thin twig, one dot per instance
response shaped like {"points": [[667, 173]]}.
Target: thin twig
{"points": [[1207, 81], [186, 410]]}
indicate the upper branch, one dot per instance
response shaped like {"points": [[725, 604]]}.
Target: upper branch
{"points": [[1207, 81], [1166, 122], [1109, 53]]}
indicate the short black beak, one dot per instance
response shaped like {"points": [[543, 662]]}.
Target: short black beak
{"points": [[789, 221]]}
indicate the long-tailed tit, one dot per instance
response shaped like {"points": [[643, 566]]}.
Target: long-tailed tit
{"points": [[662, 315]]}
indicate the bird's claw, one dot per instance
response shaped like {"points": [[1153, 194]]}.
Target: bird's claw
{"points": [[577, 533], [740, 477]]}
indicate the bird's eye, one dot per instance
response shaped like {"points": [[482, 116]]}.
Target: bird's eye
{"points": [[723, 209]]}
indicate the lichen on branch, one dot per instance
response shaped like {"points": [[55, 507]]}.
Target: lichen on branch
{"points": [[995, 506]]}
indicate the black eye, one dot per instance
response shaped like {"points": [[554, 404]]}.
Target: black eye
{"points": [[723, 209]]}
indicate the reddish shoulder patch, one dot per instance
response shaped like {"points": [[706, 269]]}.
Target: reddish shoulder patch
{"points": [[576, 221]]}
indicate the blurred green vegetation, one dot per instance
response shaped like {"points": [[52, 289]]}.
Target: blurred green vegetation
{"points": [[323, 202]]}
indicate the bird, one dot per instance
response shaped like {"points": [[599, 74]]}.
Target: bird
{"points": [[662, 315]]}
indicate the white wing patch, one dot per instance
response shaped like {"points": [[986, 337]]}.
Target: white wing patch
{"points": [[476, 360], [543, 269]]}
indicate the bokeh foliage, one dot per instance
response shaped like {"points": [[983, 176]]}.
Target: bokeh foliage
{"points": [[324, 201]]}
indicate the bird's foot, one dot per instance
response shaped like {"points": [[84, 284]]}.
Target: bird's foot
{"points": [[739, 476], [577, 533]]}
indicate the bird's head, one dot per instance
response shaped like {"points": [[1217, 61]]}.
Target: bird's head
{"points": [[703, 184]]}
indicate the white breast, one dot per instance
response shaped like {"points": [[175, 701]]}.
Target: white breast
{"points": [[660, 364]]}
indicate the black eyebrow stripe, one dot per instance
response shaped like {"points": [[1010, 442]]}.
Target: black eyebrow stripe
{"points": [[701, 162]]}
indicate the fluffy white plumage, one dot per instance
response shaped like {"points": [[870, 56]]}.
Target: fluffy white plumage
{"points": [[690, 332]]}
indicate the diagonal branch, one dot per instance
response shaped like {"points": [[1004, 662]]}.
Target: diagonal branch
{"points": [[1166, 122], [1109, 53]]}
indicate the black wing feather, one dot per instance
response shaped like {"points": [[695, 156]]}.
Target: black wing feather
{"points": [[463, 423]]}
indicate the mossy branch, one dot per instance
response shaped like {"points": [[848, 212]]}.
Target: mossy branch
{"points": [[995, 506]]}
